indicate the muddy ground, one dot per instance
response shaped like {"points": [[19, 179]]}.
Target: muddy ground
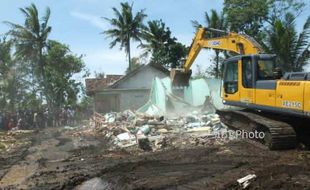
{"points": [[56, 159]]}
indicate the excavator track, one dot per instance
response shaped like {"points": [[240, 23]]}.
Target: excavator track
{"points": [[279, 135]]}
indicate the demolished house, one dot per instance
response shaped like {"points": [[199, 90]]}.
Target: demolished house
{"points": [[130, 91], [165, 115]]}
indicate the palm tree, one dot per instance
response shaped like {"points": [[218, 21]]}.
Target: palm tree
{"points": [[292, 49], [31, 38], [125, 27], [156, 36]]}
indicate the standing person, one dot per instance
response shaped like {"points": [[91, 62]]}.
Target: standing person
{"points": [[1, 121], [29, 116], [6, 120], [62, 117], [35, 120], [65, 116], [20, 123], [11, 124], [57, 117], [19, 119], [71, 114], [74, 116], [40, 119], [46, 117]]}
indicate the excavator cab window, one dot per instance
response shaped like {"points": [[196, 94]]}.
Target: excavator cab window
{"points": [[266, 69], [247, 72], [231, 77]]}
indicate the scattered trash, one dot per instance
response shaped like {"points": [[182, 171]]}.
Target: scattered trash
{"points": [[245, 181], [110, 117]]}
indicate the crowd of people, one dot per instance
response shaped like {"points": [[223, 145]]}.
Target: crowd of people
{"points": [[29, 119]]}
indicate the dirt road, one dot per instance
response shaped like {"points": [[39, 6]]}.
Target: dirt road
{"points": [[56, 160]]}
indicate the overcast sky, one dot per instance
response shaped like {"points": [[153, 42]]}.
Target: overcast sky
{"points": [[78, 23]]}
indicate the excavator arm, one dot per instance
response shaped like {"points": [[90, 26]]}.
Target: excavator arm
{"points": [[232, 42]]}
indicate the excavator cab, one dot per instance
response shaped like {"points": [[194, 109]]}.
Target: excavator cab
{"points": [[244, 73]]}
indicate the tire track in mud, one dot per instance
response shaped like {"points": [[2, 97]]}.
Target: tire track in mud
{"points": [[27, 164], [7, 161], [11, 158]]}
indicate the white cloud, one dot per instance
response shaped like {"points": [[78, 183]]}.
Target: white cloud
{"points": [[92, 19]]}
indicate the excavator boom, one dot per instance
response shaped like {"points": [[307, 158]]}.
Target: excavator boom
{"points": [[232, 42]]}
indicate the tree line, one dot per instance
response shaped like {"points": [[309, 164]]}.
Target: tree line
{"points": [[154, 37], [36, 71], [270, 22]]}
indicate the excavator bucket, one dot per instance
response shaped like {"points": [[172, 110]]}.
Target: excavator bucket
{"points": [[180, 78]]}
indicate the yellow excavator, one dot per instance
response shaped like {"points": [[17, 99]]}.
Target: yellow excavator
{"points": [[274, 104]]}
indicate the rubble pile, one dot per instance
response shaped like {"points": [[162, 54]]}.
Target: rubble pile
{"points": [[150, 133]]}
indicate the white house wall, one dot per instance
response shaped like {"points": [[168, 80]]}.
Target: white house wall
{"points": [[133, 99]]}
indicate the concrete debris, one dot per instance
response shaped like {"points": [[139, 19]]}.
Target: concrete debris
{"points": [[198, 129], [95, 184], [162, 130], [125, 137], [245, 181], [124, 140], [151, 133]]}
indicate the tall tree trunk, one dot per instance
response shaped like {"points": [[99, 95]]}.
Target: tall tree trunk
{"points": [[44, 82], [129, 55]]}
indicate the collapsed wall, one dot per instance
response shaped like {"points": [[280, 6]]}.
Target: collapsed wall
{"points": [[165, 99]]}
